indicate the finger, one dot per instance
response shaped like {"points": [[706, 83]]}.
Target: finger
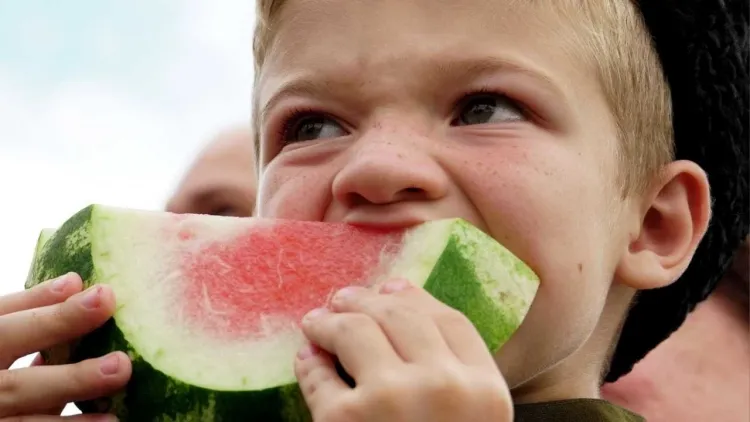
{"points": [[355, 339], [62, 384], [37, 329], [54, 410], [91, 417], [38, 360], [411, 330], [43, 294], [460, 335], [317, 377]]}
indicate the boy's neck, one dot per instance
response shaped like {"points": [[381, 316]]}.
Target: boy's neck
{"points": [[579, 376], [560, 383]]}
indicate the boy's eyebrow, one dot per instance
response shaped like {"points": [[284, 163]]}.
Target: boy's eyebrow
{"points": [[456, 69], [291, 88]]}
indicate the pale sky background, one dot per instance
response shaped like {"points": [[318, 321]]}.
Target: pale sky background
{"points": [[105, 101]]}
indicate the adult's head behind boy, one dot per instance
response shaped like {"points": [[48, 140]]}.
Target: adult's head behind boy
{"points": [[545, 123], [221, 180]]}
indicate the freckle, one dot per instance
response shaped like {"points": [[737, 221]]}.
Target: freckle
{"points": [[580, 267]]}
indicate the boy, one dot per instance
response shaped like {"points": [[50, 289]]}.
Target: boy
{"points": [[547, 124]]}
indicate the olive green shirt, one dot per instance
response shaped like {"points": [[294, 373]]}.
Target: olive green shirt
{"points": [[579, 410]]}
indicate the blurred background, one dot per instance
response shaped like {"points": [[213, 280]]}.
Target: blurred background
{"points": [[105, 101]]}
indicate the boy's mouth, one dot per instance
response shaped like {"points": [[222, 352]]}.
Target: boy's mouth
{"points": [[397, 217], [385, 220], [398, 224]]}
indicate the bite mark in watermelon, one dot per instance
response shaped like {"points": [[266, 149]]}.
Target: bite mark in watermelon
{"points": [[208, 307]]}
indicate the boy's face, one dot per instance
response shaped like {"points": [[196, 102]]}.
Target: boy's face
{"points": [[394, 112]]}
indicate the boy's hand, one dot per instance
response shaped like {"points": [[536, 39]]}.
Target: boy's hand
{"points": [[412, 359], [48, 314]]}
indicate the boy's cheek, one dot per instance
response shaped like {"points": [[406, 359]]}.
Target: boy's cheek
{"points": [[556, 225], [296, 194]]}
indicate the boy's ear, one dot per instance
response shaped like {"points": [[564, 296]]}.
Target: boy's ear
{"points": [[675, 214]]}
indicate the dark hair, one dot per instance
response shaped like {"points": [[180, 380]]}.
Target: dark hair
{"points": [[703, 47]]}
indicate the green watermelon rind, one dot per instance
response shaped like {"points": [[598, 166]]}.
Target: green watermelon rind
{"points": [[44, 236], [462, 283]]}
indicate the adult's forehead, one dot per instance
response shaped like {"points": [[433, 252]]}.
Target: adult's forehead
{"points": [[223, 174], [236, 144], [228, 154]]}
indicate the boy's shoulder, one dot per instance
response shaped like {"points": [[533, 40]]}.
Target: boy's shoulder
{"points": [[578, 410]]}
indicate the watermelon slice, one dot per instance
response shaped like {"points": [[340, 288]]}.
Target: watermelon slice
{"points": [[208, 307], [44, 236]]}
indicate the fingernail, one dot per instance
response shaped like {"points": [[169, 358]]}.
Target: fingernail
{"points": [[346, 293], [395, 286], [315, 313], [307, 352], [110, 365], [59, 284], [92, 298]]}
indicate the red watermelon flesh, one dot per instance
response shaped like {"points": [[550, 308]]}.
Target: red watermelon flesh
{"points": [[274, 274]]}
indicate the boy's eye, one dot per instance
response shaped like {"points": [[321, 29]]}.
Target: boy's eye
{"points": [[309, 128], [488, 108]]}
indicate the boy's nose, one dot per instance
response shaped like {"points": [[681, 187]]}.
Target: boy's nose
{"points": [[388, 173]]}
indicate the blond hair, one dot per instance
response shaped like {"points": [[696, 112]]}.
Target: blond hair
{"points": [[613, 38]]}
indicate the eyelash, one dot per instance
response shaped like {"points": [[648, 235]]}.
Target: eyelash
{"points": [[292, 118], [487, 91], [294, 115]]}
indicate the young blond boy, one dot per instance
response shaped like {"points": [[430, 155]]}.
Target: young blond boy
{"points": [[546, 123], [549, 124]]}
